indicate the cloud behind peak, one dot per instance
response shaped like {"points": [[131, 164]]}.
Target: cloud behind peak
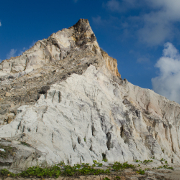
{"points": [[167, 83]]}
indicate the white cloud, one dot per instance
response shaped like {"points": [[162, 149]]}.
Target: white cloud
{"points": [[168, 7], [0, 24], [168, 81], [159, 23], [11, 53], [156, 20]]}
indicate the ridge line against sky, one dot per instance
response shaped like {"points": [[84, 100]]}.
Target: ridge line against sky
{"points": [[143, 35]]}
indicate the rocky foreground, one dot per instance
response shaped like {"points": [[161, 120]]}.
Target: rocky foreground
{"points": [[64, 100]]}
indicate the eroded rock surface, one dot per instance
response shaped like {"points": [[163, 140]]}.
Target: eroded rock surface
{"points": [[65, 97]]}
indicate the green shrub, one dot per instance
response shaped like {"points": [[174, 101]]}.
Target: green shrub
{"points": [[106, 178], [105, 160], [165, 167], [97, 164], [117, 178], [140, 171], [145, 161], [118, 166]]}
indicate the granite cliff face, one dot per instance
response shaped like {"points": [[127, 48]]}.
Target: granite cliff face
{"points": [[65, 98]]}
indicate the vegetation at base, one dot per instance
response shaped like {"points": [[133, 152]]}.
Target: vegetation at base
{"points": [[105, 160], [66, 170], [118, 166], [8, 151], [140, 171], [164, 161], [37, 171], [116, 178], [106, 178], [58, 170], [97, 164], [77, 170], [145, 161], [165, 167], [5, 172]]}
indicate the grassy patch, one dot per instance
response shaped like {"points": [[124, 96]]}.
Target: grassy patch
{"points": [[106, 178], [163, 161], [74, 171], [117, 178], [165, 167], [140, 171], [145, 161], [118, 166], [105, 160], [58, 170], [65, 170], [37, 171], [97, 164]]}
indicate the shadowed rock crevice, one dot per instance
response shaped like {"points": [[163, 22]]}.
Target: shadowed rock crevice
{"points": [[108, 143]]}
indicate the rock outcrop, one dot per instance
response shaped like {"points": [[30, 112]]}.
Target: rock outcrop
{"points": [[65, 97]]}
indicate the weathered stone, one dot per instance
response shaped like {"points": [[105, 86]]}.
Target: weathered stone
{"points": [[8, 94], [70, 104]]}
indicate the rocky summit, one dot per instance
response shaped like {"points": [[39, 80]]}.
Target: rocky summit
{"points": [[64, 100]]}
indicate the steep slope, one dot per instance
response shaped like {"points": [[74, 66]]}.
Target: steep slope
{"points": [[67, 100]]}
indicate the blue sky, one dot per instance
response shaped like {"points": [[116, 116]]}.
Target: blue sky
{"points": [[143, 35]]}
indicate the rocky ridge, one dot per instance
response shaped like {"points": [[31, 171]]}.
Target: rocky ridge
{"points": [[65, 98]]}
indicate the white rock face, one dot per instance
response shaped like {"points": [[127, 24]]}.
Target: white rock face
{"points": [[65, 99], [90, 117]]}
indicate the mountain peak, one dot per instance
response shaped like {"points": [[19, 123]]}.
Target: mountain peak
{"points": [[63, 53], [82, 25], [55, 48]]}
